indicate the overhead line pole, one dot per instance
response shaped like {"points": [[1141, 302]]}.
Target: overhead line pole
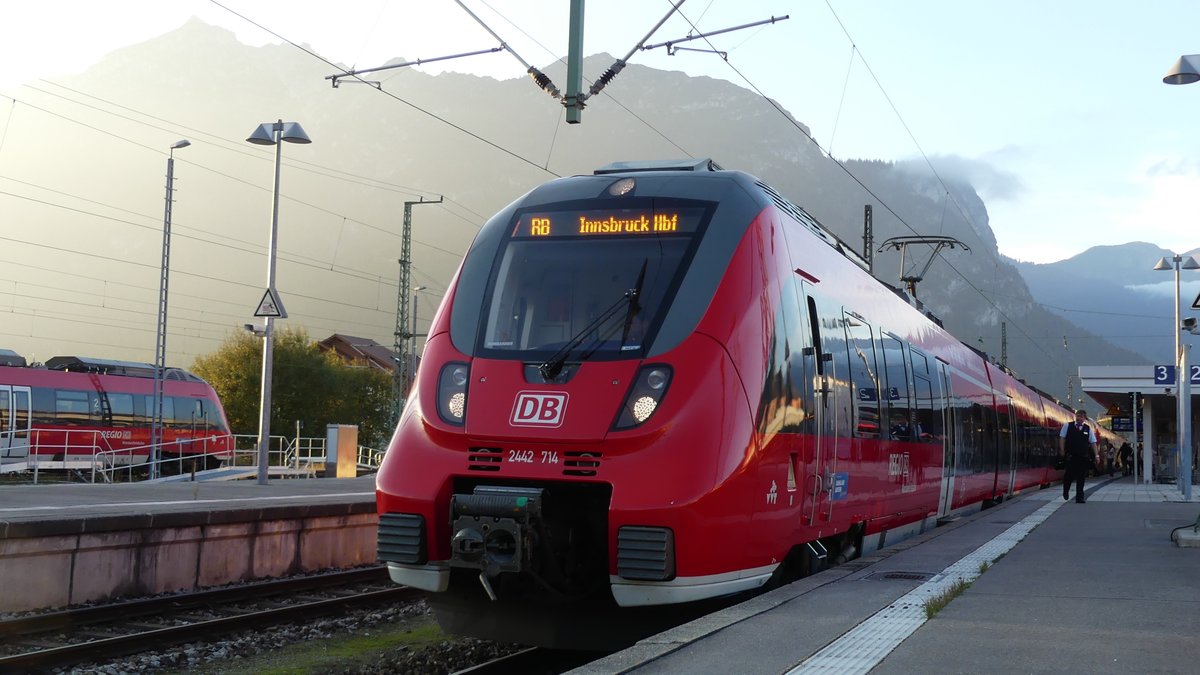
{"points": [[402, 376]]}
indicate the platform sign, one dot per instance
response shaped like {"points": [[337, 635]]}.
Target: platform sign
{"points": [[1165, 375], [1120, 424]]}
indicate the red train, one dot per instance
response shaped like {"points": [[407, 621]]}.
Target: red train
{"points": [[664, 383], [73, 408]]}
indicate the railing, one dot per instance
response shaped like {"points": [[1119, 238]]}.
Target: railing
{"points": [[108, 463], [369, 458], [92, 451], [87, 443]]}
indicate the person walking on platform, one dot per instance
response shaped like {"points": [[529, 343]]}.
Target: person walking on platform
{"points": [[1110, 457], [1077, 443], [1126, 453]]}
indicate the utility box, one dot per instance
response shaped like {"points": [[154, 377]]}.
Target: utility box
{"points": [[341, 450]]}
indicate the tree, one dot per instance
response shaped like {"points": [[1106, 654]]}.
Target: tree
{"points": [[308, 385]]}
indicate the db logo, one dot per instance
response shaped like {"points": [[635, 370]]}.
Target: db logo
{"points": [[539, 409]]}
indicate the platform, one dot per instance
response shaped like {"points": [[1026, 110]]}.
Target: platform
{"points": [[71, 543], [1068, 588]]}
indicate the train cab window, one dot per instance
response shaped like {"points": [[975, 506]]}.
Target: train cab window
{"points": [[597, 281], [798, 416], [188, 413], [864, 376]]}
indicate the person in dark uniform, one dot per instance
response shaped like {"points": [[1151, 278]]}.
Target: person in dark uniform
{"points": [[1126, 454], [1077, 443]]}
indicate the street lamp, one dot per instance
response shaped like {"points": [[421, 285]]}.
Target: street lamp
{"points": [[1185, 71], [1183, 402], [271, 133], [160, 342]]}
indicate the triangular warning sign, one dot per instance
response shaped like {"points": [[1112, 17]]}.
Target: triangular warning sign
{"points": [[270, 305], [1196, 302]]}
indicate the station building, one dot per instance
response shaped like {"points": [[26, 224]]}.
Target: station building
{"points": [[1141, 406]]}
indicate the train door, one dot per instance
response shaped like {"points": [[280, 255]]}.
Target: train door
{"points": [[942, 401], [15, 421], [1007, 475], [819, 476]]}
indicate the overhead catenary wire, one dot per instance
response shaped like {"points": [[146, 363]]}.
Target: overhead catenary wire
{"points": [[859, 181], [620, 63]]}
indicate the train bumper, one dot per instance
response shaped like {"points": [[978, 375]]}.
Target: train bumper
{"points": [[630, 593], [433, 577]]}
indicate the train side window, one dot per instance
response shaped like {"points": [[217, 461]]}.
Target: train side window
{"points": [[920, 363], [902, 425], [21, 414], [72, 408], [928, 417], [43, 407], [122, 409], [3, 412], [864, 376]]}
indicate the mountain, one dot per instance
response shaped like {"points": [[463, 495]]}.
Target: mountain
{"points": [[1114, 291], [476, 141]]}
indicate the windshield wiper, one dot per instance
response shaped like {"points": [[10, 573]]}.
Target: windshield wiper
{"points": [[554, 365], [634, 305]]}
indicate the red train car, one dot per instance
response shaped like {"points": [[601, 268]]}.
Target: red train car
{"points": [[73, 409], [664, 383]]}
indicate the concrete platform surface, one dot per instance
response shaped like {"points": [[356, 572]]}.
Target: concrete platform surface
{"points": [[81, 502], [1079, 588]]}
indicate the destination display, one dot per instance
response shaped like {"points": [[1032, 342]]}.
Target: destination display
{"points": [[609, 222]]}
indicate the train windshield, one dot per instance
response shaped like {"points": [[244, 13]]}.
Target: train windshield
{"points": [[592, 282]]}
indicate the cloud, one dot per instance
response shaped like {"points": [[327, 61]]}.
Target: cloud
{"points": [[1172, 167], [990, 181]]}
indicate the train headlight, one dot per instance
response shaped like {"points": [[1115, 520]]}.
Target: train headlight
{"points": [[643, 398], [452, 392]]}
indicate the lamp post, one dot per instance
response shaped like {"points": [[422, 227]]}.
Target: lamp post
{"points": [[1183, 403], [271, 133], [1185, 71], [160, 342]]}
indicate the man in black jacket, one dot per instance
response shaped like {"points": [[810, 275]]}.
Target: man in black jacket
{"points": [[1077, 442]]}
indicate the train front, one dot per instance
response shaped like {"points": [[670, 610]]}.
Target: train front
{"points": [[577, 414]]}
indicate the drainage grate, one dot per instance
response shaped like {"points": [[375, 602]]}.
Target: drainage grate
{"points": [[904, 576]]}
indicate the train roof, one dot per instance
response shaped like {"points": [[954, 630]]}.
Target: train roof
{"points": [[86, 364], [10, 358]]}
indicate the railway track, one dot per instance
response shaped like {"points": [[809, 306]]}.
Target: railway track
{"points": [[45, 641]]}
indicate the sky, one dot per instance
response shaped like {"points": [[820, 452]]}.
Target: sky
{"points": [[1056, 111]]}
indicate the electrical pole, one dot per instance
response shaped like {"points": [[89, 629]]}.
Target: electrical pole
{"points": [[402, 377], [1004, 343], [868, 238]]}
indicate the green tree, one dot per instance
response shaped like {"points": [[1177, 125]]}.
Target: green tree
{"points": [[314, 387]]}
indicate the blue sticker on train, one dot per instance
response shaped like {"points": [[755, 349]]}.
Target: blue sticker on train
{"points": [[841, 485]]}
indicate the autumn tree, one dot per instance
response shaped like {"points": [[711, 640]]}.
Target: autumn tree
{"points": [[309, 385]]}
